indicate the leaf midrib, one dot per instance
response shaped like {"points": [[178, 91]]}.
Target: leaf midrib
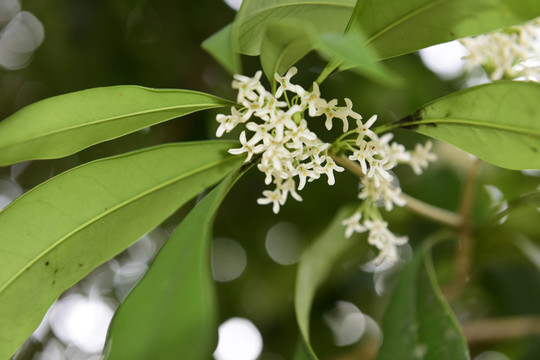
{"points": [[110, 211], [109, 119], [405, 18], [481, 124]]}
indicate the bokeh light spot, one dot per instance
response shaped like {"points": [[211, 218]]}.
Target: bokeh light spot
{"points": [[284, 243], [445, 60], [239, 339], [81, 321], [228, 259]]}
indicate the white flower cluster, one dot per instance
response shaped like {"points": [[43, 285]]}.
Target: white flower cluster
{"points": [[292, 155], [377, 157], [506, 54], [289, 149]]}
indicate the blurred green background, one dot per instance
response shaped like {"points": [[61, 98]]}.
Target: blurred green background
{"points": [[93, 43]]}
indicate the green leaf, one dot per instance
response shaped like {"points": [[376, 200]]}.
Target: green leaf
{"points": [[418, 323], [55, 234], [313, 269], [62, 125], [303, 351], [399, 27], [254, 15], [351, 51], [220, 47], [173, 308], [283, 45], [498, 122]]}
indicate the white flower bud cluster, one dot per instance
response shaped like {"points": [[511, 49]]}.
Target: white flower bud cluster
{"points": [[506, 54], [292, 155]]}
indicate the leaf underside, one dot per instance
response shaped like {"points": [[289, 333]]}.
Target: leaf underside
{"points": [[55, 234]]}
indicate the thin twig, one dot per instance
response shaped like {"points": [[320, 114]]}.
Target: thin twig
{"points": [[465, 245], [500, 328], [421, 208]]}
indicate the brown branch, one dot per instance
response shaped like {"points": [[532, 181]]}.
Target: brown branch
{"points": [[421, 208], [465, 246], [486, 330]]}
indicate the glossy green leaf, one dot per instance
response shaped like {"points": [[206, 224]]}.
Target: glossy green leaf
{"points": [[254, 15], [173, 308], [498, 122], [56, 233], [399, 27], [418, 323], [283, 45], [350, 50], [220, 47], [62, 125], [314, 268]]}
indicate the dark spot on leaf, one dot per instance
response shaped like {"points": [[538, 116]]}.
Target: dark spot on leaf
{"points": [[80, 264], [54, 282], [414, 117], [452, 34], [534, 149], [55, 271], [47, 263]]}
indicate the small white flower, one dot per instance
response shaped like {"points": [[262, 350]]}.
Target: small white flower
{"points": [[313, 101], [288, 187], [364, 129], [384, 240], [285, 82], [246, 147], [247, 86], [345, 112], [329, 168], [421, 157], [328, 109], [273, 197], [353, 225], [305, 171]]}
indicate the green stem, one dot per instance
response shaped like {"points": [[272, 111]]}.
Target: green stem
{"points": [[330, 67]]}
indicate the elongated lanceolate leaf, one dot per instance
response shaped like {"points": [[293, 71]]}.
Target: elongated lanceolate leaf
{"points": [[220, 47], [62, 125], [313, 269], [399, 27], [418, 323], [254, 15], [498, 122], [172, 310], [55, 234]]}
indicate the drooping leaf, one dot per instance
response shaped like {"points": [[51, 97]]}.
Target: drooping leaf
{"points": [[220, 47], [399, 27], [498, 122], [350, 50], [283, 45], [56, 233], [313, 269], [418, 323], [173, 308], [254, 15], [62, 125]]}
